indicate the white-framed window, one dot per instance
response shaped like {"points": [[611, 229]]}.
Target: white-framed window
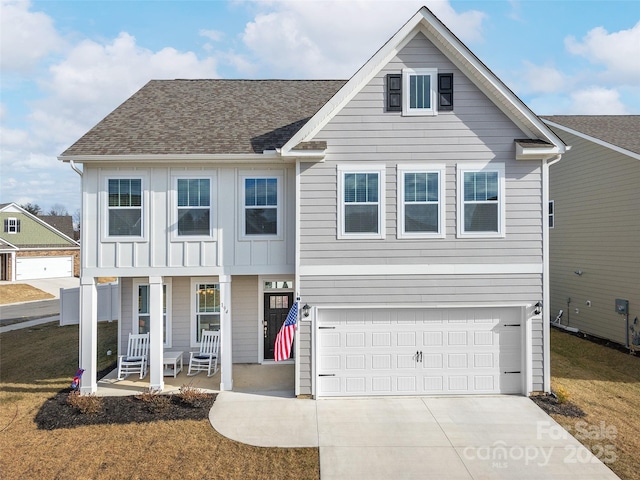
{"points": [[124, 207], [141, 311], [420, 87], [361, 201], [421, 201], [552, 214], [262, 205], [193, 199], [481, 200], [11, 225], [205, 307]]}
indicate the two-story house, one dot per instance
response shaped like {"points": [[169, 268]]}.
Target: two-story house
{"points": [[405, 207]]}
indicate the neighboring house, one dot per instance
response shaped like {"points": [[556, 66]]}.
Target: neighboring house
{"points": [[32, 248], [595, 217], [406, 208]]}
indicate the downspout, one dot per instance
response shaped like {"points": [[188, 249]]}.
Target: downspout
{"points": [[75, 169], [546, 294]]}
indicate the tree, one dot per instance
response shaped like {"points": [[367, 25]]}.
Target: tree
{"points": [[58, 210], [32, 208]]}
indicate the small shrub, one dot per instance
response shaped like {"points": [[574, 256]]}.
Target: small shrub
{"points": [[85, 404], [156, 402], [562, 395], [191, 396]]}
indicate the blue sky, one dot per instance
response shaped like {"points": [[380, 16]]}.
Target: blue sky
{"points": [[64, 65]]}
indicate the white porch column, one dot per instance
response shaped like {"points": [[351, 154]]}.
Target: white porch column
{"points": [[88, 337], [226, 354], [156, 342]]}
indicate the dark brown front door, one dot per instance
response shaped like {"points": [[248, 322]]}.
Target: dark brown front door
{"points": [[276, 308]]}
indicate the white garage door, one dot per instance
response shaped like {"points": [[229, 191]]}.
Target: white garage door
{"points": [[43, 267], [419, 352]]}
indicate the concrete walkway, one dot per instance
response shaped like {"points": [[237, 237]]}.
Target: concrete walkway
{"points": [[470, 438]]}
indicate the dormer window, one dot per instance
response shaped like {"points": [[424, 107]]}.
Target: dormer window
{"points": [[420, 91]]}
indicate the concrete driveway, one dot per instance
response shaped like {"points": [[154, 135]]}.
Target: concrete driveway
{"points": [[494, 437]]}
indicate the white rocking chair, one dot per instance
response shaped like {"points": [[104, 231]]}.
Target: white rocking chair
{"points": [[137, 357], [206, 360]]}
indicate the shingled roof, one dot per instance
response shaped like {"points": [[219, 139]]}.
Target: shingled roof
{"points": [[206, 117], [620, 130]]}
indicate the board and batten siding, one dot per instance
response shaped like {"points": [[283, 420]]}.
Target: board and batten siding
{"points": [[160, 251], [597, 232]]}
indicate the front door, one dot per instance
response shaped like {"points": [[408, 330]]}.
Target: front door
{"points": [[276, 308]]}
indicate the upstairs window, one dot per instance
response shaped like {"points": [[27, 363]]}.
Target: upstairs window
{"points": [[11, 225], [194, 206], [125, 207], [481, 199], [361, 202], [421, 201], [261, 206], [420, 87]]}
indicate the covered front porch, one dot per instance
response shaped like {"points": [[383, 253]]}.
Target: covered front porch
{"points": [[174, 310], [271, 379]]}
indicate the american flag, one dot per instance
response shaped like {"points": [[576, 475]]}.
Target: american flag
{"points": [[284, 339]]}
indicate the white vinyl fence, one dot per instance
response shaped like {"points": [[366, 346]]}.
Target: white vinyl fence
{"points": [[108, 304]]}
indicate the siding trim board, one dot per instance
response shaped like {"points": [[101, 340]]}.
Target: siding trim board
{"points": [[422, 269]]}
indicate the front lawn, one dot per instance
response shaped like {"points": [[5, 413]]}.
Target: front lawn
{"points": [[38, 362], [605, 384]]}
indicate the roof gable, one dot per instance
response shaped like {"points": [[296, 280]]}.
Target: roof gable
{"points": [[426, 22], [42, 235]]}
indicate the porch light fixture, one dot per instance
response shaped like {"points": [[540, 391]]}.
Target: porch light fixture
{"points": [[305, 310]]}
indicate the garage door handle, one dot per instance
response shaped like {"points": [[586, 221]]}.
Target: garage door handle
{"points": [[512, 325], [513, 372], [327, 375], [326, 328]]}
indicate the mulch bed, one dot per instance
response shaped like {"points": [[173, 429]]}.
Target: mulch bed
{"points": [[57, 413], [551, 405]]}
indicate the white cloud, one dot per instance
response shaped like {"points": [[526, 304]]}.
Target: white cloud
{"points": [[542, 78], [618, 52], [213, 35], [25, 36], [596, 101], [332, 39]]}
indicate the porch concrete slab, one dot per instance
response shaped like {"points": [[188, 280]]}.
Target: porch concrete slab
{"points": [[266, 420]]}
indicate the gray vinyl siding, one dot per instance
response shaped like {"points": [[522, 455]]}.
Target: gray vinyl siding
{"points": [[475, 131], [126, 310], [597, 230], [244, 322], [303, 357], [244, 313]]}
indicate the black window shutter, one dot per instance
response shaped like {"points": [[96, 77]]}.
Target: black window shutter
{"points": [[17, 226], [394, 92], [6, 225], [445, 92]]}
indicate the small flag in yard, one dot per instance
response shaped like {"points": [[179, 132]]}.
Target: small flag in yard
{"points": [[285, 335]]}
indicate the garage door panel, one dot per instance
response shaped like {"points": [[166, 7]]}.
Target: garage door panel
{"points": [[30, 268], [452, 351]]}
